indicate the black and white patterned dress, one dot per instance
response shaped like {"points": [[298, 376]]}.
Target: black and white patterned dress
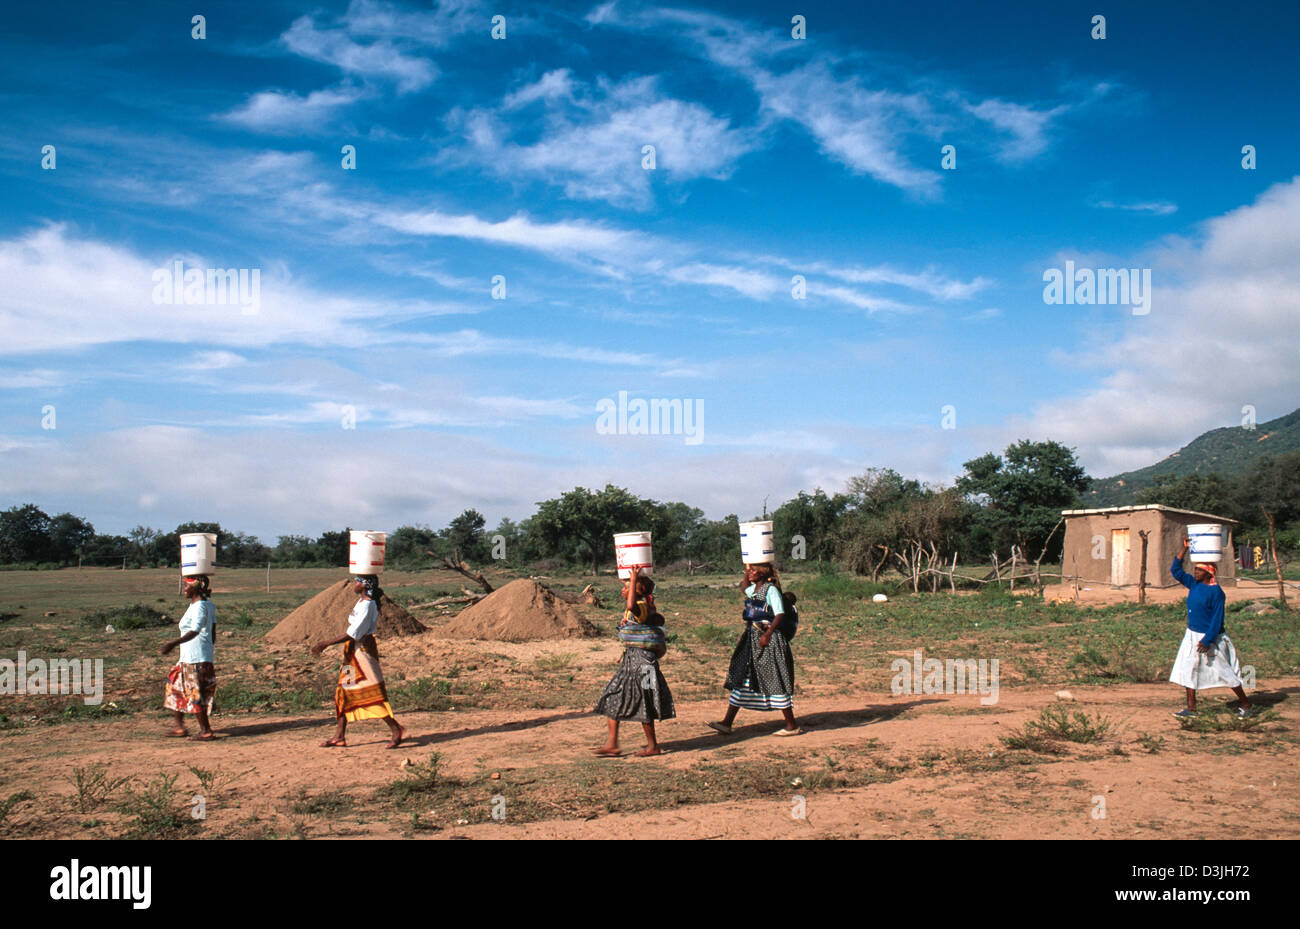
{"points": [[761, 678], [637, 690]]}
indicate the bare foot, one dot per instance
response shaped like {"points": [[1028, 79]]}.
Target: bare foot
{"points": [[334, 743], [649, 750], [397, 739], [607, 752], [204, 737]]}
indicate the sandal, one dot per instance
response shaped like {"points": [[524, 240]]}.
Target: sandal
{"points": [[795, 731], [334, 743], [720, 727]]}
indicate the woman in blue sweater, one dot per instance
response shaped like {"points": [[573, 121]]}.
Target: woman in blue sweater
{"points": [[1207, 657]]}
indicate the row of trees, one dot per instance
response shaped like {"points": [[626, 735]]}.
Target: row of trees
{"points": [[880, 520]]}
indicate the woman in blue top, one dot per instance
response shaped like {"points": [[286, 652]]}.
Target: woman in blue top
{"points": [[192, 683], [1206, 657], [761, 674]]}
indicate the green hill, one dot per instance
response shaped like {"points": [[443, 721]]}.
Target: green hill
{"points": [[1227, 452]]}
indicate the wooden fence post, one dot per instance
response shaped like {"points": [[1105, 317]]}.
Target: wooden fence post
{"points": [[1142, 569]]}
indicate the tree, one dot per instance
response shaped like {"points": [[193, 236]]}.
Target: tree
{"points": [[24, 534], [1204, 493], [1024, 492], [1273, 485], [813, 517], [464, 534], [68, 537], [332, 548], [715, 542], [590, 519]]}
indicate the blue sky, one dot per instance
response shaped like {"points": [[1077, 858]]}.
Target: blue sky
{"points": [[522, 157]]}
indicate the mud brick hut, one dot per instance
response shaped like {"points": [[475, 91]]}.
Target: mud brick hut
{"points": [[1104, 546]]}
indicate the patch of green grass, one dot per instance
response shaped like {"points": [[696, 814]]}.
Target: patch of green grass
{"points": [[1223, 718], [212, 781], [326, 803], [422, 693], [136, 616], [554, 662], [237, 695], [710, 634], [94, 786], [1058, 724], [12, 802], [157, 810], [419, 781], [1151, 742]]}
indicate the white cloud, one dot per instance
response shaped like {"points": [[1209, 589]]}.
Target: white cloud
{"points": [[1026, 127], [381, 59], [60, 292], [280, 112], [1155, 207], [592, 138], [1223, 336]]}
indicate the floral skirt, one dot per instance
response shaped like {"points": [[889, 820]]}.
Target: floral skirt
{"points": [[190, 686]]}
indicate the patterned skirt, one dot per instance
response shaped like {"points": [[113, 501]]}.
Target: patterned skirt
{"points": [[637, 690], [190, 686], [761, 678], [360, 693]]}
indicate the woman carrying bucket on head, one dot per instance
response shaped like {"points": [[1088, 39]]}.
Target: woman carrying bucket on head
{"points": [[192, 683], [761, 674], [360, 693], [638, 689]]}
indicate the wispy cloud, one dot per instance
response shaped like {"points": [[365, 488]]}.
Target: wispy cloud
{"points": [[592, 137]]}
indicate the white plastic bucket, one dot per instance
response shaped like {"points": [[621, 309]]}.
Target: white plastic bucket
{"points": [[1207, 541], [366, 551], [633, 550], [757, 545], [198, 553]]}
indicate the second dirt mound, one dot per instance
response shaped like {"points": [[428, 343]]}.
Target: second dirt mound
{"points": [[325, 616], [519, 611]]}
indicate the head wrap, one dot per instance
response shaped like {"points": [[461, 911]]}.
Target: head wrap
{"points": [[371, 584], [1208, 566], [201, 582]]}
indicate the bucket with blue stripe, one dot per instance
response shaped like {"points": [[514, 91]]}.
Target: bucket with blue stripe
{"points": [[757, 544]]}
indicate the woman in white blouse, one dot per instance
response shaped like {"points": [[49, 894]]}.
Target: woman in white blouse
{"points": [[360, 693]]}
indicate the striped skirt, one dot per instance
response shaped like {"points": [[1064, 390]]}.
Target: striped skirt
{"points": [[761, 678], [360, 693]]}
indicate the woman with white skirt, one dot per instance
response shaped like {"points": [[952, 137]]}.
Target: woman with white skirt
{"points": [[1206, 657]]}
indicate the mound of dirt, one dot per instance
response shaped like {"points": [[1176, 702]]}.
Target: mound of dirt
{"points": [[517, 612], [325, 616]]}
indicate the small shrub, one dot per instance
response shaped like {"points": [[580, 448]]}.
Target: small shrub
{"points": [[1151, 742], [94, 787], [421, 779], [323, 804], [12, 802], [156, 808], [1057, 724]]}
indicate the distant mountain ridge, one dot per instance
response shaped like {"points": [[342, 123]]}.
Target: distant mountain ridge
{"points": [[1228, 452]]}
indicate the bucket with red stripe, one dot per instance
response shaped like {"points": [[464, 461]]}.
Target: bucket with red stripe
{"points": [[366, 551], [633, 550]]}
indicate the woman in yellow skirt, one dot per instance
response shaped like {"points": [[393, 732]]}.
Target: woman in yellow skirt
{"points": [[360, 693]]}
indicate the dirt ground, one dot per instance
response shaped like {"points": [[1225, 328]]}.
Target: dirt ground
{"points": [[945, 772]]}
